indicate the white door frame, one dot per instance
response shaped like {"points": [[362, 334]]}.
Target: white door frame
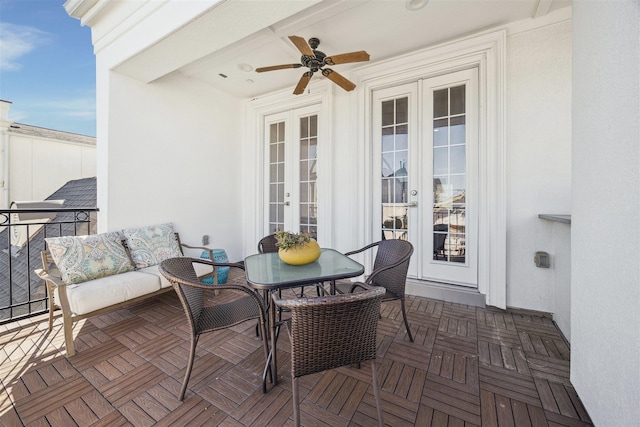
{"points": [[253, 216], [487, 53], [291, 118]]}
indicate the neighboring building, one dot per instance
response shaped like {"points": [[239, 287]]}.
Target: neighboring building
{"points": [[190, 134], [35, 161], [24, 283]]}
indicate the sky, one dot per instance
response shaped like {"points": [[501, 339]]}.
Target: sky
{"points": [[47, 66]]}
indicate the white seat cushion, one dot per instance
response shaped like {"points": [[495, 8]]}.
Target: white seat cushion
{"points": [[201, 270], [95, 294]]}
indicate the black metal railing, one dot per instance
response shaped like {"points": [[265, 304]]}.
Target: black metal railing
{"points": [[22, 234]]}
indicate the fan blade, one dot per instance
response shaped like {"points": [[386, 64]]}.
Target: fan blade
{"points": [[277, 67], [302, 84], [345, 58], [338, 79], [302, 45]]}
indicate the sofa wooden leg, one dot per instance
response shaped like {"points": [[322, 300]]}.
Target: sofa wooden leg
{"points": [[50, 311], [68, 335]]}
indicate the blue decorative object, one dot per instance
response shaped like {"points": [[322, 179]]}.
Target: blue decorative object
{"points": [[219, 255]]}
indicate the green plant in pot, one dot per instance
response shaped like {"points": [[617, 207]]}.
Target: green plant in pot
{"points": [[297, 248]]}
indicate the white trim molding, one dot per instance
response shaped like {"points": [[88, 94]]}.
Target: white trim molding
{"points": [[487, 53]]}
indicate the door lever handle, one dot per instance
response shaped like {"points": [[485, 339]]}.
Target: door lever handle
{"points": [[413, 205]]}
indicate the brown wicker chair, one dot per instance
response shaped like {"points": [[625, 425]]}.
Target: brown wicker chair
{"points": [[390, 271], [268, 244], [204, 318], [332, 331]]}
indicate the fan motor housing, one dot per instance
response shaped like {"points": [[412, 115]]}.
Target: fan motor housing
{"points": [[314, 63]]}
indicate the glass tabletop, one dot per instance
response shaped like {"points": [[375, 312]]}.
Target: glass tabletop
{"points": [[267, 271]]}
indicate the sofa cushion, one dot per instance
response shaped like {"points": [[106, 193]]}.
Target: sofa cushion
{"points": [[104, 292], [152, 244], [201, 270], [82, 258]]}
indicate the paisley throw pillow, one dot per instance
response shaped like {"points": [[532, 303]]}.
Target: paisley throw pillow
{"points": [[151, 245], [82, 258]]}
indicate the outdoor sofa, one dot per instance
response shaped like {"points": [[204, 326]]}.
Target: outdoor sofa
{"points": [[90, 275]]}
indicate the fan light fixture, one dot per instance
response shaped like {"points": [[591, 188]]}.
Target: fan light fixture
{"points": [[415, 4]]}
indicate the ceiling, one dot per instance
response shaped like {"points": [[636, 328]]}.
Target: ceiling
{"points": [[384, 28]]}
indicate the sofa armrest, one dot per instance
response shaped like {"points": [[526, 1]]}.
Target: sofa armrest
{"points": [[55, 283], [53, 280]]}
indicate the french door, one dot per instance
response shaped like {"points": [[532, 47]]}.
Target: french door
{"points": [[425, 166], [291, 142]]}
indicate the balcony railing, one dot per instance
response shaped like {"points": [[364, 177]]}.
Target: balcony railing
{"points": [[22, 234]]}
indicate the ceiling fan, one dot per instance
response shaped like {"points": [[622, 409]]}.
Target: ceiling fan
{"points": [[317, 61]]}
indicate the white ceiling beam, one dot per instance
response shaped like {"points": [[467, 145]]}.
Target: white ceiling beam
{"points": [[212, 32]]}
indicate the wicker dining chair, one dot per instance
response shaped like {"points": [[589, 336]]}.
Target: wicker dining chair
{"points": [[390, 271], [268, 244], [203, 313], [332, 331]]}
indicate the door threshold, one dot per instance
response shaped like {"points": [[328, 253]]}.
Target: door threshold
{"points": [[442, 291]]}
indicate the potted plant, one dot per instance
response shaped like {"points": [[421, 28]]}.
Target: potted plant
{"points": [[297, 248]]}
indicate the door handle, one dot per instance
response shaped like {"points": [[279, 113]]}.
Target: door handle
{"points": [[413, 205], [287, 203]]}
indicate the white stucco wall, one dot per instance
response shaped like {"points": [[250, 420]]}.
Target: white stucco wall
{"points": [[40, 166], [561, 264], [170, 151], [538, 160], [173, 152], [605, 240]]}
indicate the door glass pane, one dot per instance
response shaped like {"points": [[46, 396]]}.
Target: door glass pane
{"points": [[388, 135], [440, 160], [458, 130], [276, 176], [458, 159], [449, 169], [388, 108], [402, 137], [308, 175], [440, 132], [402, 110], [387, 164], [313, 126], [395, 161], [440, 103], [457, 100]]}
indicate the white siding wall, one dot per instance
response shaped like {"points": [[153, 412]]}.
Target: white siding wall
{"points": [[39, 166], [538, 165], [605, 240], [174, 155]]}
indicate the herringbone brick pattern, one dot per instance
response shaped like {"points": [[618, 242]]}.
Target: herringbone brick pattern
{"points": [[467, 367]]}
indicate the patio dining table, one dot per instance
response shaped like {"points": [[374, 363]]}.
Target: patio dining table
{"points": [[267, 273]]}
